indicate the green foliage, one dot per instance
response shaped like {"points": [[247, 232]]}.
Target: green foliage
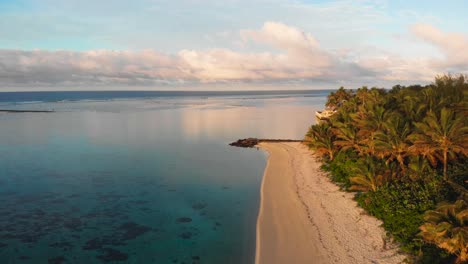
{"points": [[340, 167], [401, 206], [405, 150]]}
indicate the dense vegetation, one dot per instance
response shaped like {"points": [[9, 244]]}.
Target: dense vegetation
{"points": [[404, 151]]}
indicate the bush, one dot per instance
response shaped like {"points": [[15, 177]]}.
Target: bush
{"points": [[401, 206], [341, 168]]}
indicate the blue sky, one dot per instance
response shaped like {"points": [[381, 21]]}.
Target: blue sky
{"points": [[232, 44]]}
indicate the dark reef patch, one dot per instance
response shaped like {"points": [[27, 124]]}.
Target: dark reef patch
{"points": [[111, 254], [186, 235], [132, 230], [57, 260], [99, 243], [184, 220], [73, 224], [62, 245], [199, 206], [139, 202]]}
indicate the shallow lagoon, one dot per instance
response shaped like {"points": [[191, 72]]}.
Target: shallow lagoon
{"points": [[149, 180]]}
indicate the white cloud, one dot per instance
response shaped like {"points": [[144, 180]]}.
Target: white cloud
{"points": [[289, 55], [454, 46], [299, 56], [453, 49]]}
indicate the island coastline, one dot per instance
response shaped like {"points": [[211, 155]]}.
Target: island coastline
{"points": [[305, 218]]}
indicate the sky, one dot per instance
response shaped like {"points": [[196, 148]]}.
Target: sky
{"points": [[229, 44]]}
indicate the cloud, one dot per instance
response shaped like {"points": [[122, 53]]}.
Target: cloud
{"points": [[453, 57], [288, 55], [97, 67], [395, 68], [454, 46], [299, 56]]}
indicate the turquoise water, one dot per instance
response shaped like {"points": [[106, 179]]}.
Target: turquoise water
{"points": [[148, 180]]}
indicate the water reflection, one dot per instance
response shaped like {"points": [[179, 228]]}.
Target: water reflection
{"points": [[138, 181]]}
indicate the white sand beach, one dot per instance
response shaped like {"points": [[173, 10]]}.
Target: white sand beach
{"points": [[305, 218]]}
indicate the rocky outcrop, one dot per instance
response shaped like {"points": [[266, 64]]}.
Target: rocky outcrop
{"points": [[252, 142]]}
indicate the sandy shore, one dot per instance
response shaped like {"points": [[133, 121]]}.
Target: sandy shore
{"points": [[305, 218]]}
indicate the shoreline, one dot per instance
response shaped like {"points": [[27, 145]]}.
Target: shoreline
{"points": [[305, 218]]}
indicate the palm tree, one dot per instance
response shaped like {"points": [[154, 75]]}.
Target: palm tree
{"points": [[447, 228], [441, 137], [321, 138], [368, 176], [418, 167], [347, 137], [335, 99], [370, 120], [393, 143], [413, 109]]}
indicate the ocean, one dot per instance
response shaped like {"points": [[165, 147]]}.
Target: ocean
{"points": [[138, 177]]}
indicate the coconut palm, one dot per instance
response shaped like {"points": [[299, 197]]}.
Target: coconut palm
{"points": [[370, 120], [447, 228], [347, 137], [321, 138], [441, 137], [413, 109], [335, 99], [368, 176], [393, 143], [418, 168]]}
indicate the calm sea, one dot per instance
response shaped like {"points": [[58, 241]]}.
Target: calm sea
{"points": [[138, 177]]}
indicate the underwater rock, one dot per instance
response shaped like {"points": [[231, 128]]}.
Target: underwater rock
{"points": [[93, 244], [111, 254], [198, 206], [73, 224], [57, 260], [184, 220], [186, 235], [133, 230], [62, 245], [99, 243], [139, 202]]}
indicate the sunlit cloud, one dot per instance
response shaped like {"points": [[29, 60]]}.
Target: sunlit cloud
{"points": [[454, 46], [289, 54]]}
